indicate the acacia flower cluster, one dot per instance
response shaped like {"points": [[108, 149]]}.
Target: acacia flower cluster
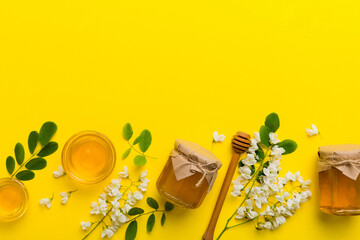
{"points": [[266, 198], [116, 201]]}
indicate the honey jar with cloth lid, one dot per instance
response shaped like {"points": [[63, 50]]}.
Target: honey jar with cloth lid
{"points": [[339, 168], [188, 175]]}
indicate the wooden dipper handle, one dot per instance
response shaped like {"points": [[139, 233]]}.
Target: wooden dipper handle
{"points": [[240, 143]]}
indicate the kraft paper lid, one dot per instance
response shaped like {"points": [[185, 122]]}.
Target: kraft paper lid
{"points": [[189, 158], [196, 152], [345, 157]]}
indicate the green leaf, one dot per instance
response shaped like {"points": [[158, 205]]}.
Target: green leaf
{"points": [[260, 153], [139, 160], [289, 146], [150, 223], [169, 206], [163, 218], [25, 175], [47, 131], [272, 122], [137, 140], [135, 211], [10, 164], [32, 141], [36, 164], [49, 149], [152, 203], [241, 164], [131, 231], [127, 131], [126, 153], [145, 140], [264, 135], [19, 153]]}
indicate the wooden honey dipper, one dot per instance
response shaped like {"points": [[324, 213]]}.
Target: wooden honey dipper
{"points": [[240, 143]]}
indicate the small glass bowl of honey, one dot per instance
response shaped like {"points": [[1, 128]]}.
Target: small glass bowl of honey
{"points": [[88, 157], [14, 199]]}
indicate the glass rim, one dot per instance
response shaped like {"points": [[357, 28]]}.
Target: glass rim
{"points": [[67, 146], [25, 203]]}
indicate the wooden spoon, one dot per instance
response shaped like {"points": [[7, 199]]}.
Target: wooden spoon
{"points": [[240, 143]]}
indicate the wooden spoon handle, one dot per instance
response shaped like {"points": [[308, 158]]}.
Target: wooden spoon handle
{"points": [[209, 233]]}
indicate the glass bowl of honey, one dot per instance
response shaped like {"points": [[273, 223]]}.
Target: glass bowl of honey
{"points": [[88, 157], [14, 199]]}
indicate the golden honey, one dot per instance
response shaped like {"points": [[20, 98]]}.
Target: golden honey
{"points": [[339, 183], [184, 192], [13, 199], [88, 157], [188, 175]]}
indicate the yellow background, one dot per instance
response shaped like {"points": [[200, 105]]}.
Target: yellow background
{"points": [[181, 69]]}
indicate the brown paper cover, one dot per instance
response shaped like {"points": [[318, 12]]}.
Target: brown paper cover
{"points": [[189, 158], [345, 157]]}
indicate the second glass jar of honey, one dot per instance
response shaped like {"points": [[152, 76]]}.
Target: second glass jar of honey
{"points": [[339, 168], [188, 174]]}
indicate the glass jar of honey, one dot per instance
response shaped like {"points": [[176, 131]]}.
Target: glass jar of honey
{"points": [[88, 157], [188, 174], [14, 199], [339, 168]]}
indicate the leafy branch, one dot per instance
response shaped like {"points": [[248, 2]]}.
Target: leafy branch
{"points": [[131, 230], [272, 124], [36, 161], [143, 141]]}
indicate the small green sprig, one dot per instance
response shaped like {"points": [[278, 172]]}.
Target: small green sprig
{"points": [[143, 141], [131, 230], [36, 161]]}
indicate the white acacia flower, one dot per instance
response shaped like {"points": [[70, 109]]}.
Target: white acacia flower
{"points": [[138, 195], [125, 173], [290, 177], [94, 208], [268, 212], [249, 160], [103, 207], [280, 220], [131, 200], [281, 198], [122, 218], [266, 225], [143, 186], [273, 138], [251, 214], [253, 146], [60, 172], [276, 152], [64, 197], [240, 213], [103, 196], [312, 131], [237, 188], [46, 202], [218, 138], [249, 204], [85, 225], [107, 233], [143, 175], [306, 184], [245, 172], [115, 204], [119, 217], [257, 136], [126, 208]]}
